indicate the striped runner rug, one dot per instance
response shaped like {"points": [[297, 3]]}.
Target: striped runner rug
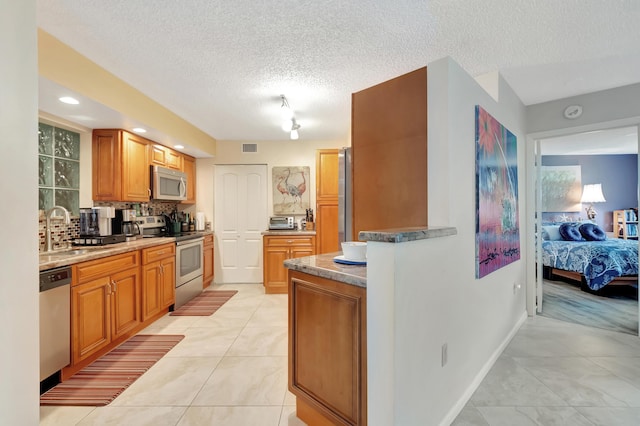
{"points": [[103, 380], [204, 304]]}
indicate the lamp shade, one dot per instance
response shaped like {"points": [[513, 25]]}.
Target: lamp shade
{"points": [[592, 194]]}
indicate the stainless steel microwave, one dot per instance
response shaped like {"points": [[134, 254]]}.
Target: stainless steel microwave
{"points": [[168, 184]]}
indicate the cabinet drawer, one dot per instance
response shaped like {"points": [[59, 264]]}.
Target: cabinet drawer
{"points": [[289, 241], [105, 266], [159, 252]]}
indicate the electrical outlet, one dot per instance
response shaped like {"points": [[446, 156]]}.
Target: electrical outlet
{"points": [[445, 354]]}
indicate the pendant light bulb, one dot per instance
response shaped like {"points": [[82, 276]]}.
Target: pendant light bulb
{"points": [[287, 125], [294, 129]]}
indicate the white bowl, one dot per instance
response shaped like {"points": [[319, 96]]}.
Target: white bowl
{"points": [[355, 251]]}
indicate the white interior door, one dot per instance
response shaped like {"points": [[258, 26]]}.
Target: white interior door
{"points": [[538, 189], [240, 218]]}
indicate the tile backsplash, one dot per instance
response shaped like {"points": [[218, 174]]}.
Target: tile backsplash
{"points": [[62, 234]]}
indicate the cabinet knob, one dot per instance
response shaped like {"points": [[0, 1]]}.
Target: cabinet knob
{"points": [[115, 287], [289, 241]]}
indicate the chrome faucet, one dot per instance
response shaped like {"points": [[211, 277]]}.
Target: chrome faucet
{"points": [[48, 216]]}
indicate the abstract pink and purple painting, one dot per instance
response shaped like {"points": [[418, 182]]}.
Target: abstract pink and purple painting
{"points": [[497, 223]]}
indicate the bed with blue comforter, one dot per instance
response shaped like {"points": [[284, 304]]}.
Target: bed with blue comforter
{"points": [[599, 262]]}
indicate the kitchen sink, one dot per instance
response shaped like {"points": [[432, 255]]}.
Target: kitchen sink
{"points": [[63, 253]]}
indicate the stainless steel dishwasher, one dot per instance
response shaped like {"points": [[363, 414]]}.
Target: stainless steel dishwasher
{"points": [[55, 320]]}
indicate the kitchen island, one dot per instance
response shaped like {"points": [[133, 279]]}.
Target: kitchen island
{"points": [[328, 303], [328, 340]]}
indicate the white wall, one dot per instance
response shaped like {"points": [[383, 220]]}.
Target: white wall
{"points": [[271, 153], [607, 106], [436, 297], [19, 360]]}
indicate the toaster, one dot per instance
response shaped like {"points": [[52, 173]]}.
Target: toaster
{"points": [[281, 222]]}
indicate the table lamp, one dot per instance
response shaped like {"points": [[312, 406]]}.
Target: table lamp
{"points": [[592, 194]]}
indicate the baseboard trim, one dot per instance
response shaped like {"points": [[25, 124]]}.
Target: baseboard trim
{"points": [[475, 383]]}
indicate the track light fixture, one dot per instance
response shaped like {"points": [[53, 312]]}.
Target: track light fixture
{"points": [[289, 123]]}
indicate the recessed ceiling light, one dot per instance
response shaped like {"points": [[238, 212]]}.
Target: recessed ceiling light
{"points": [[69, 100], [178, 146], [139, 130]]}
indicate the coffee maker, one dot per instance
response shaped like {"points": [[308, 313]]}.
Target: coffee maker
{"points": [[96, 221], [95, 227], [125, 223]]}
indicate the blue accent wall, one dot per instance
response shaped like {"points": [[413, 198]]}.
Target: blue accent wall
{"points": [[618, 175]]}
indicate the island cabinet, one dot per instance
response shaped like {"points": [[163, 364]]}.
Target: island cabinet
{"points": [[327, 350], [120, 166], [277, 249], [158, 279], [105, 306], [207, 264]]}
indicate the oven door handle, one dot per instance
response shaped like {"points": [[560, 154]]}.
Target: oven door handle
{"points": [[191, 241]]}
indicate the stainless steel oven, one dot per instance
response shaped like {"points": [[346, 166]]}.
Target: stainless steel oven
{"points": [[189, 269]]}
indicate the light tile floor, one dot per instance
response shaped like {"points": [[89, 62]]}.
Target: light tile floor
{"points": [[231, 370], [560, 373]]}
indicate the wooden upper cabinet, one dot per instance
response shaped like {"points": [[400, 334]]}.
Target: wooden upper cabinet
{"points": [[189, 165], [166, 157], [327, 201], [389, 151], [121, 163], [327, 171], [120, 166], [135, 173], [107, 165]]}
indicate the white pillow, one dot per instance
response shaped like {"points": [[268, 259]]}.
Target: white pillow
{"points": [[551, 233]]}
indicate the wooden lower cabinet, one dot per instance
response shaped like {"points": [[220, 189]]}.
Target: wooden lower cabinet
{"points": [[207, 264], [277, 249], [91, 325], [158, 279], [327, 350], [102, 310]]}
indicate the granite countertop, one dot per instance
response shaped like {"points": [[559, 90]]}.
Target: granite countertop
{"points": [[289, 233], [66, 257], [402, 235], [322, 265]]}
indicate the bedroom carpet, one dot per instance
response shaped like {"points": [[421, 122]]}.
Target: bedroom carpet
{"points": [[566, 302]]}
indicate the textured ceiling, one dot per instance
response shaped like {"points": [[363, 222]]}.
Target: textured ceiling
{"points": [[223, 65]]}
